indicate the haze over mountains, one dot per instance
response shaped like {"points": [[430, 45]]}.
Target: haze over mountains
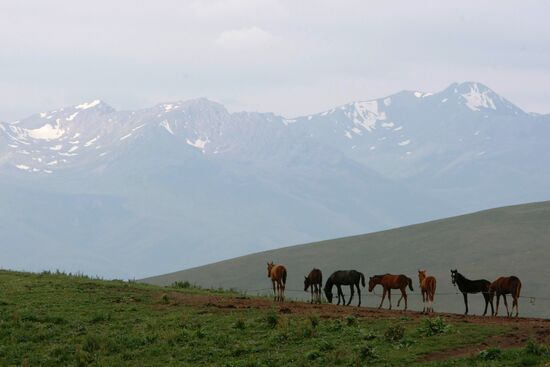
{"points": [[135, 193]]}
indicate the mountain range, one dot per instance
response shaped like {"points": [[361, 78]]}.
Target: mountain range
{"points": [[136, 193]]}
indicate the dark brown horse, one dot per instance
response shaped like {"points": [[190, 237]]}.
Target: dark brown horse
{"points": [[389, 282], [344, 277], [427, 286], [503, 286], [277, 273], [315, 281]]}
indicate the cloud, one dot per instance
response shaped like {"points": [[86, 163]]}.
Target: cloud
{"points": [[245, 38]]}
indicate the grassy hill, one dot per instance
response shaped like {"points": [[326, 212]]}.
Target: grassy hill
{"points": [[59, 320], [487, 244]]}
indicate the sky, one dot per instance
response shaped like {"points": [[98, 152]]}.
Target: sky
{"points": [[289, 57]]}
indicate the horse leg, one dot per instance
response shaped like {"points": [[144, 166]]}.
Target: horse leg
{"points": [[403, 296], [343, 297], [423, 301], [506, 304], [389, 297], [498, 301], [312, 294], [359, 294], [351, 295], [517, 305], [465, 295], [274, 291], [432, 296], [382, 301]]}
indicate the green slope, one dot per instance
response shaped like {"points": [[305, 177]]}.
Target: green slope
{"points": [[487, 244]]}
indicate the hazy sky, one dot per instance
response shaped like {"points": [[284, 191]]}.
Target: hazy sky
{"points": [[288, 57]]}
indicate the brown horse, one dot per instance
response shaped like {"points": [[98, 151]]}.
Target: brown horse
{"points": [[389, 282], [503, 286], [277, 273], [427, 286], [315, 281]]}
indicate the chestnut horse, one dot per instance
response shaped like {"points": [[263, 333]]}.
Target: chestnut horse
{"points": [[277, 273], [315, 281], [389, 282], [503, 286], [427, 287]]}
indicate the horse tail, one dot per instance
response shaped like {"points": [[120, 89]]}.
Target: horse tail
{"points": [[284, 276], [409, 281], [362, 279], [518, 288]]}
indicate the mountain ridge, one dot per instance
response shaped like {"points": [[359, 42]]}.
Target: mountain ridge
{"points": [[173, 181]]}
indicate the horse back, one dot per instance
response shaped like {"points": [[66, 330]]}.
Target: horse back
{"points": [[278, 272]]}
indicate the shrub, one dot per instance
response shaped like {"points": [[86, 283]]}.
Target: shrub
{"points": [[91, 343], [180, 284], [433, 326], [394, 333], [314, 321], [313, 355], [351, 320], [239, 324], [490, 354], [325, 345], [367, 353], [536, 349], [272, 319]]}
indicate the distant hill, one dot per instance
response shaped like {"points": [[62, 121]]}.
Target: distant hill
{"points": [[487, 244]]}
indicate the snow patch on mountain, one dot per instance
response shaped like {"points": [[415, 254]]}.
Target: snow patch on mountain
{"points": [[476, 99], [86, 105]]}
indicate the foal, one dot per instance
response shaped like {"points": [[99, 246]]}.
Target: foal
{"points": [[427, 286], [315, 281], [507, 285], [389, 282], [277, 273]]}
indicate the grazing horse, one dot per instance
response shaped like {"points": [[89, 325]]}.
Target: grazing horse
{"points": [[389, 282], [277, 273], [503, 286], [466, 286], [315, 280], [427, 286], [344, 277]]}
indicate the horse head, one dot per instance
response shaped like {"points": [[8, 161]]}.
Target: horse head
{"points": [[269, 267], [306, 284], [328, 294], [372, 283], [421, 275], [453, 276]]}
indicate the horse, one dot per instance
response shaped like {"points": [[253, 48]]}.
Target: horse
{"points": [[427, 287], [277, 273], [315, 280], [344, 277], [389, 282], [466, 286], [503, 286]]}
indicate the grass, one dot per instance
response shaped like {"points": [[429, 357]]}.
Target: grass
{"points": [[55, 319]]}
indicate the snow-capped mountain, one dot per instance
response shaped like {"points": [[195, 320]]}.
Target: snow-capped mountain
{"points": [[130, 193]]}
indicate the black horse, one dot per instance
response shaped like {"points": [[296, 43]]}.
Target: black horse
{"points": [[466, 286], [344, 277]]}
